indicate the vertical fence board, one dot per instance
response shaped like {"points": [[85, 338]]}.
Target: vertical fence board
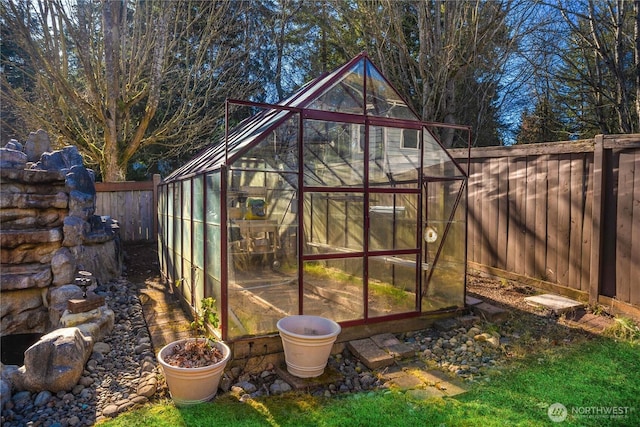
{"points": [[585, 263], [491, 175], [511, 194], [480, 204], [147, 213], [552, 235], [540, 227], [564, 218], [475, 170], [624, 225], [530, 216], [503, 210], [576, 217], [519, 215], [634, 293]]}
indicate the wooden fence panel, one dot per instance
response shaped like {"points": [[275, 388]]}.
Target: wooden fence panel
{"points": [[530, 217], [624, 222], [552, 226], [564, 218], [540, 227], [503, 212], [490, 212], [565, 214], [585, 261], [634, 274], [133, 204]]}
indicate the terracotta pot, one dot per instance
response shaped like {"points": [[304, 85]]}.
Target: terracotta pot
{"points": [[307, 342], [189, 386]]}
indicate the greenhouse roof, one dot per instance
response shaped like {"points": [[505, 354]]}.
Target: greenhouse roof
{"points": [[356, 88]]}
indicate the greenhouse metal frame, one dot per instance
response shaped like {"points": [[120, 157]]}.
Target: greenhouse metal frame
{"points": [[339, 202]]}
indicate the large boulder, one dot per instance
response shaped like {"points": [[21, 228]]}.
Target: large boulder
{"points": [[55, 363]]}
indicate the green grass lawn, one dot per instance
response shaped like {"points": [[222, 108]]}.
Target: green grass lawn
{"points": [[590, 379]]}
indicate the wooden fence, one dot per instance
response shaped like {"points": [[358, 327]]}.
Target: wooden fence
{"points": [[564, 215], [133, 204]]}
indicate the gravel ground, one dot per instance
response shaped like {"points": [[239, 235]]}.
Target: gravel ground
{"points": [[122, 372]]}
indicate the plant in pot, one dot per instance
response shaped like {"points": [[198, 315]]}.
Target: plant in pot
{"points": [[193, 366]]}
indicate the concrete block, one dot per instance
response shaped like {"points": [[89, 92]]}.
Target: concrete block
{"points": [[370, 354], [555, 303]]}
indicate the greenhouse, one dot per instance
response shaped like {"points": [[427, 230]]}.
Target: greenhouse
{"points": [[338, 202]]}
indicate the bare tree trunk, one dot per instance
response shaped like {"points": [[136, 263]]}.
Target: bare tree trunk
{"points": [[111, 30], [106, 69]]}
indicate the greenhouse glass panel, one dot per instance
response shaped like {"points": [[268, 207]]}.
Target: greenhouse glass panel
{"points": [[162, 227], [436, 161], [214, 205], [393, 221], [198, 239], [394, 156], [262, 231], [213, 237], [444, 245], [333, 154], [168, 251], [334, 223], [346, 95], [382, 98], [333, 288], [187, 279], [177, 232], [279, 149], [253, 129], [392, 284]]}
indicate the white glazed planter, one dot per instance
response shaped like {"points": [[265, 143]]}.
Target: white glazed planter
{"points": [[189, 386], [307, 342]]}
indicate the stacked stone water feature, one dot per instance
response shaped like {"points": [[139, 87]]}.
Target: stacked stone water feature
{"points": [[49, 233]]}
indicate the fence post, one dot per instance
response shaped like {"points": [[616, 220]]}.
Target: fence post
{"points": [[599, 177], [156, 183]]}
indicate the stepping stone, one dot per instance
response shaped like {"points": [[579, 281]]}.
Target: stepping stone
{"points": [[393, 346], [370, 354], [555, 303], [405, 382], [442, 382], [469, 300], [490, 312]]}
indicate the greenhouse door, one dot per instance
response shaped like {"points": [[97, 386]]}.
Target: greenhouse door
{"points": [[442, 240]]}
